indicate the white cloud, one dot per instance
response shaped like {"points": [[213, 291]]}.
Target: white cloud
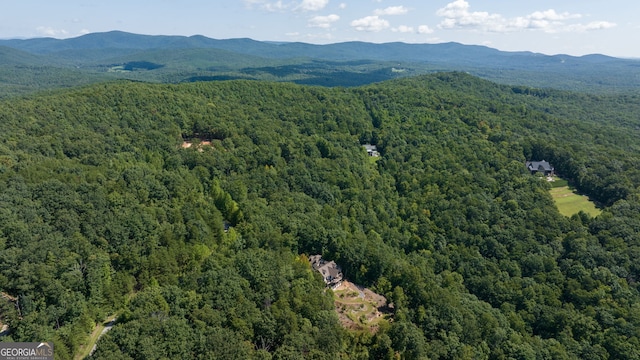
{"points": [[312, 5], [598, 25], [457, 15], [424, 29], [342, 6], [370, 23], [552, 15], [49, 31], [403, 29], [594, 25], [323, 21], [392, 10], [275, 6], [267, 5], [304, 5]]}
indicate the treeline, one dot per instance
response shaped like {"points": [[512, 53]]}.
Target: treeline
{"points": [[201, 251]]}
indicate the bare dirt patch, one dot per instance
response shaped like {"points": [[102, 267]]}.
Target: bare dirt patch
{"points": [[198, 145], [4, 328], [359, 308]]}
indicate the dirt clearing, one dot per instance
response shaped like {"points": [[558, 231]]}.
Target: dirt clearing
{"points": [[360, 308]]}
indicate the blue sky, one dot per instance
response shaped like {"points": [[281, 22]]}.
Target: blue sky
{"points": [[574, 27]]}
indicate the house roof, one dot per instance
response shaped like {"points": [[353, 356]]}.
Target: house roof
{"points": [[539, 166], [334, 272], [329, 268]]}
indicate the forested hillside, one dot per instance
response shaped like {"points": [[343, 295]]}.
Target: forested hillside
{"points": [[202, 251]]}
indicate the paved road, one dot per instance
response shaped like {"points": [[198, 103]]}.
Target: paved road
{"points": [[107, 327]]}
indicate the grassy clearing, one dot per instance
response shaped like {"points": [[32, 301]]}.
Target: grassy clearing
{"points": [[569, 202], [558, 183], [118, 69]]}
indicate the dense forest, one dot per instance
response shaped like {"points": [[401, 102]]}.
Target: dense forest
{"points": [[202, 251]]}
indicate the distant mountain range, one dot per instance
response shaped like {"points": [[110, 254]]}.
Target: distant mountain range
{"points": [[116, 54]]}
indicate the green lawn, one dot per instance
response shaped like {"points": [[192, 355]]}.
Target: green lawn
{"points": [[569, 202]]}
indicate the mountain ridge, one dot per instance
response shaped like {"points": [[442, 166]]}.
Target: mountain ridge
{"points": [[96, 53], [122, 39], [126, 38]]}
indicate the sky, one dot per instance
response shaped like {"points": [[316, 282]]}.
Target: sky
{"points": [[574, 27]]}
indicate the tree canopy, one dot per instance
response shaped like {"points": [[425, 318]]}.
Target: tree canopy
{"points": [[202, 250]]}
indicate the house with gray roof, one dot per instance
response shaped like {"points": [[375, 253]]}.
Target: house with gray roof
{"points": [[330, 271], [540, 167], [372, 150]]}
